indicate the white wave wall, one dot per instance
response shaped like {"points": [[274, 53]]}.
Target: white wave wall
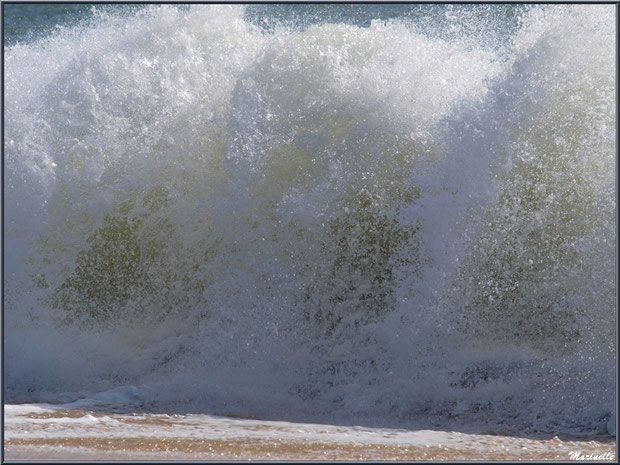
{"points": [[339, 223]]}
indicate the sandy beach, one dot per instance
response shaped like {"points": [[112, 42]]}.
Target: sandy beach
{"points": [[40, 433]]}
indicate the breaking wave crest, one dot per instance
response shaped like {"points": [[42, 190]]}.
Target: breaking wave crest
{"points": [[334, 221]]}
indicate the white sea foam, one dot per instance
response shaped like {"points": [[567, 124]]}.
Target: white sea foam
{"points": [[337, 222]]}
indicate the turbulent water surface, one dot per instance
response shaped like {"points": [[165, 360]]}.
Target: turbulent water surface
{"points": [[396, 216]]}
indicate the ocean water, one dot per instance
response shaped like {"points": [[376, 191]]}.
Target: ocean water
{"points": [[386, 215], [50, 432]]}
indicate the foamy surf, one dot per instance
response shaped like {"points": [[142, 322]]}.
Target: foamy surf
{"points": [[336, 221], [55, 432]]}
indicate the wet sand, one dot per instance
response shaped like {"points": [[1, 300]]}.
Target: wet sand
{"points": [[35, 433]]}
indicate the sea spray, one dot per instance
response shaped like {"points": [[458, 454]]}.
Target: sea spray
{"points": [[364, 222]]}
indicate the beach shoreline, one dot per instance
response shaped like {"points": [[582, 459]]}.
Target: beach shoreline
{"points": [[38, 433]]}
